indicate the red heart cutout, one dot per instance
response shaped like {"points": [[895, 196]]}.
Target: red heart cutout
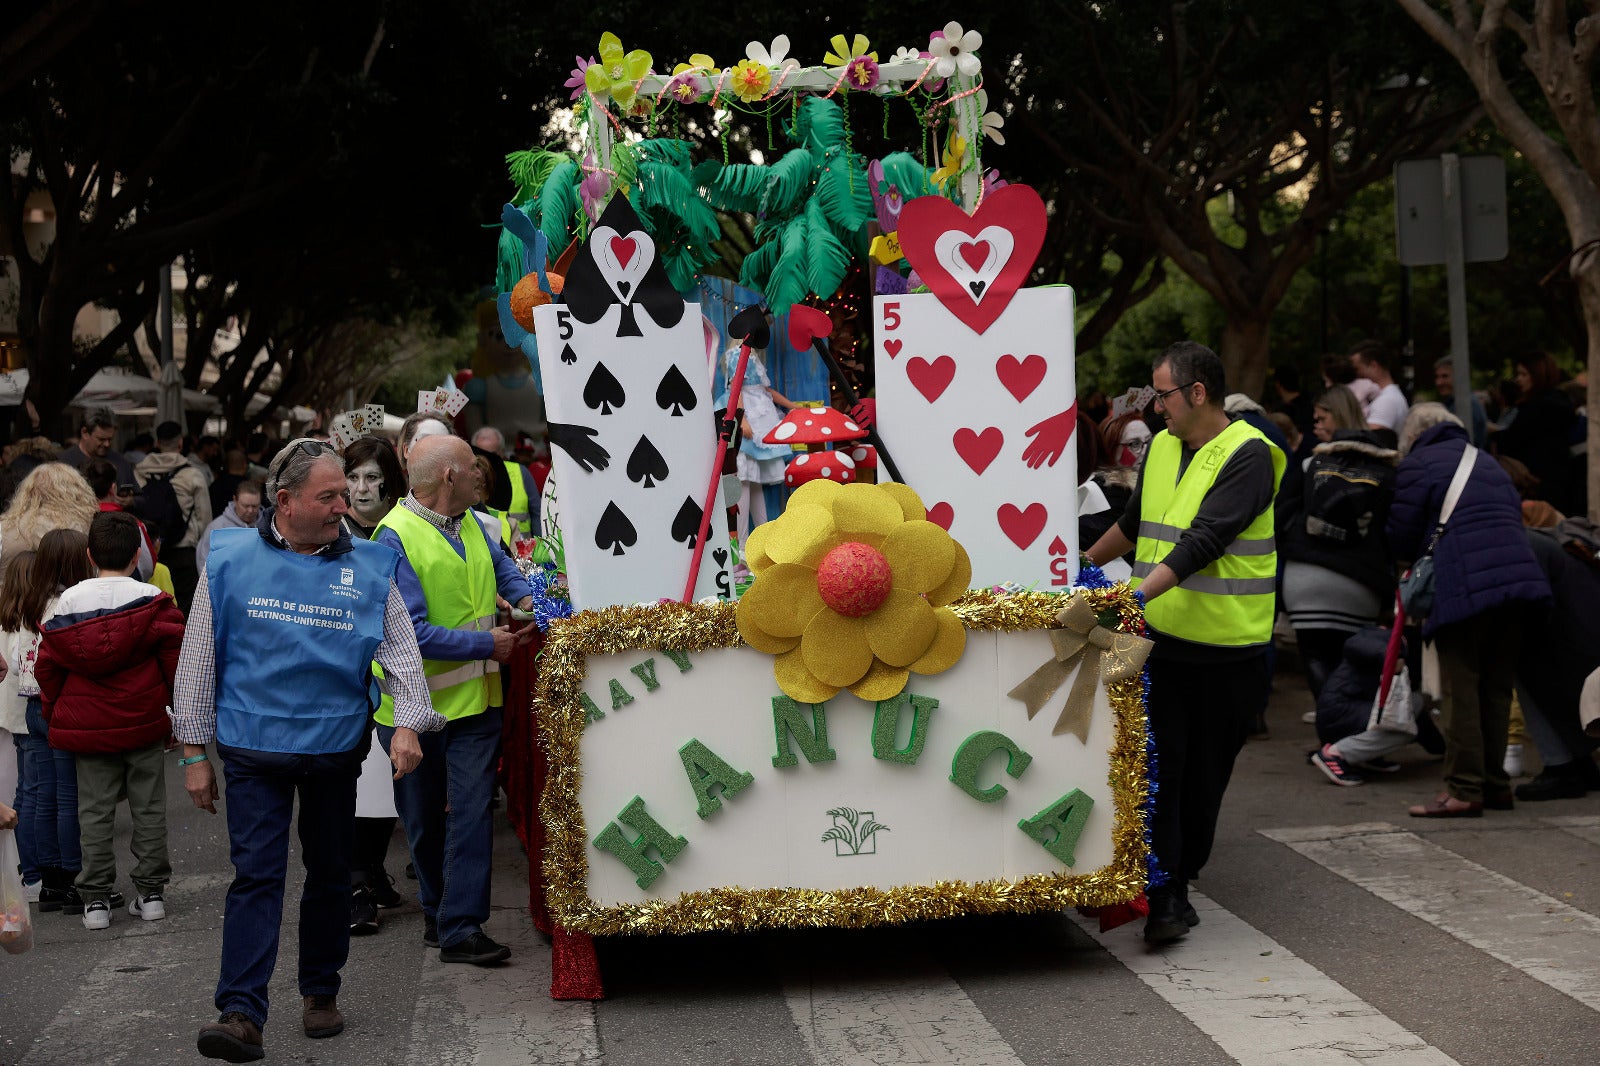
{"points": [[942, 514], [623, 248], [806, 324], [1023, 527], [977, 449], [975, 254], [1015, 208], [931, 379], [1058, 547], [1020, 376], [892, 347]]}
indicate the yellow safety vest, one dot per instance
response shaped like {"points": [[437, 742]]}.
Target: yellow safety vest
{"points": [[518, 513], [1231, 602], [461, 595]]}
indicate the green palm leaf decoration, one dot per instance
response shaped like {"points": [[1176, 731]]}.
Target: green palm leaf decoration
{"points": [[559, 206], [906, 171], [820, 124], [826, 258], [788, 183]]}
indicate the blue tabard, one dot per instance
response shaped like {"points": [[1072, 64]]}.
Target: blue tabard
{"points": [[295, 635]]}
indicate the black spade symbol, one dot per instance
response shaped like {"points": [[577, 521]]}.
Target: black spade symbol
{"points": [[752, 327], [645, 465], [675, 392], [568, 355], [977, 288], [623, 287], [604, 391], [686, 527], [720, 555], [615, 531]]}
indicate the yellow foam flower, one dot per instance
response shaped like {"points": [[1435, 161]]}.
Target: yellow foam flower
{"points": [[852, 591], [617, 72], [955, 154], [750, 80], [843, 53], [699, 62]]}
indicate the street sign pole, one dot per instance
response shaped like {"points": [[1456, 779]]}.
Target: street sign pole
{"points": [[1455, 266]]}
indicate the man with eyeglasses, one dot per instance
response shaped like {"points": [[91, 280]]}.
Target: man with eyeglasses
{"points": [[1201, 521], [276, 668]]}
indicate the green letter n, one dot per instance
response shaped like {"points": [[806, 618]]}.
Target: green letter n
{"points": [[789, 720], [632, 852]]}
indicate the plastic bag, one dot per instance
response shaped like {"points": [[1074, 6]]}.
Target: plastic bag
{"points": [[16, 924]]}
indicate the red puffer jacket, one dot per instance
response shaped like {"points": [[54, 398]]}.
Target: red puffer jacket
{"points": [[105, 677]]}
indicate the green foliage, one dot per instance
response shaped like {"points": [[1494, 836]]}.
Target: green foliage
{"points": [[559, 206], [788, 183], [530, 169]]}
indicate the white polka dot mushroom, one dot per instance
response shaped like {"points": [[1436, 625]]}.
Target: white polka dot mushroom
{"points": [[814, 425]]}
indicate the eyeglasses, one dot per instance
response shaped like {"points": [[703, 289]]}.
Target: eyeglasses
{"points": [[1161, 397], [308, 446]]}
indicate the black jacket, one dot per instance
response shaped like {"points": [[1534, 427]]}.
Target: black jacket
{"points": [[1368, 559]]}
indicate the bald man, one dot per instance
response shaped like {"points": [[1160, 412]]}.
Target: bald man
{"points": [[452, 575]]}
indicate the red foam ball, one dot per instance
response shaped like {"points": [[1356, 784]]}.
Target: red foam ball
{"points": [[854, 579]]}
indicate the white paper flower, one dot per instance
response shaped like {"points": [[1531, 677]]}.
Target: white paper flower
{"points": [[905, 55], [954, 51], [775, 56], [992, 120]]}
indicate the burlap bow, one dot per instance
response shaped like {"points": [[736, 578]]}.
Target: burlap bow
{"points": [[1105, 652]]}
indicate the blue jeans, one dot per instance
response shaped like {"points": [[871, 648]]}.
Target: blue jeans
{"points": [[47, 799], [452, 848], [261, 789]]}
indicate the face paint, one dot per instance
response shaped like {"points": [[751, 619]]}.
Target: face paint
{"points": [[366, 491]]}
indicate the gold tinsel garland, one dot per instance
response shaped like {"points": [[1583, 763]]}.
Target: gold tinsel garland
{"points": [[693, 628]]}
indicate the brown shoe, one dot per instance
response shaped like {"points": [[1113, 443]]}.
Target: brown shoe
{"points": [[232, 1038], [1447, 806], [321, 1017]]}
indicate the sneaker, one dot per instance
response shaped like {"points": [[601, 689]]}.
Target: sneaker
{"points": [[232, 1038], [72, 903], [363, 911], [477, 950], [151, 907], [1513, 761], [1380, 765], [97, 915], [430, 932], [31, 890], [384, 893], [1336, 768]]}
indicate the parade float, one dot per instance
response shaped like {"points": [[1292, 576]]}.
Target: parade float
{"points": [[904, 702]]}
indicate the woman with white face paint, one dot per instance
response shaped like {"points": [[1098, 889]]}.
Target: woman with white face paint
{"points": [[375, 483]]}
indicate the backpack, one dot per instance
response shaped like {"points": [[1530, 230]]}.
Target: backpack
{"points": [[160, 510], [1347, 490]]}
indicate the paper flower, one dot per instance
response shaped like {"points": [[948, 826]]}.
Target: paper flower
{"points": [[842, 54], [750, 80], [955, 51], [955, 154], [992, 181], [852, 590], [685, 88], [862, 73], [992, 120], [906, 55], [775, 56], [595, 186], [575, 81], [617, 72], [699, 63]]}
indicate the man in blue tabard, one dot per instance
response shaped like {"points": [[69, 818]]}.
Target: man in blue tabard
{"points": [[277, 669]]}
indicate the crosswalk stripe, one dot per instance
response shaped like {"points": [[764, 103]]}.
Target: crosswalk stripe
{"points": [[1550, 941], [1258, 1001], [910, 1012], [499, 1015]]}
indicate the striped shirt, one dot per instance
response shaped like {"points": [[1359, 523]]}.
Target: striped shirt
{"points": [[194, 696]]}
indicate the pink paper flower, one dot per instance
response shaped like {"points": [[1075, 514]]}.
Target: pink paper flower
{"points": [[862, 73], [575, 82], [595, 186]]}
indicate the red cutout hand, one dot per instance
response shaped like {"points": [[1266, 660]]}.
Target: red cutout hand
{"points": [[1050, 439]]}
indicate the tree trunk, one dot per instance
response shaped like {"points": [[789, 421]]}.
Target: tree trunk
{"points": [[1246, 344]]}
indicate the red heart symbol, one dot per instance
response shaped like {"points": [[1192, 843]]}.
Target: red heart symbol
{"points": [[1015, 208], [975, 254], [892, 347], [1020, 376], [931, 379], [1058, 547], [1023, 527], [623, 248], [942, 514], [978, 450]]}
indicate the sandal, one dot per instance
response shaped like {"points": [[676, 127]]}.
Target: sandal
{"points": [[1447, 806]]}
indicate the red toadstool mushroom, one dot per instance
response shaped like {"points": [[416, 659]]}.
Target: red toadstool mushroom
{"points": [[824, 466], [814, 425]]}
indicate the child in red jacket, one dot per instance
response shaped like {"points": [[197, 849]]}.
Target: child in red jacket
{"points": [[106, 665]]}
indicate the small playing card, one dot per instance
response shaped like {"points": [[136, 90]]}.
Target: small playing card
{"points": [[425, 400], [358, 421], [450, 401], [344, 434], [1135, 399], [374, 412]]}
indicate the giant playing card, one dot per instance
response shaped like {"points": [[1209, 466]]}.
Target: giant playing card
{"points": [[624, 368], [976, 392]]}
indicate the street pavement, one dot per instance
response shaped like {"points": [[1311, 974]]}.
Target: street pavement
{"points": [[1334, 929]]}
